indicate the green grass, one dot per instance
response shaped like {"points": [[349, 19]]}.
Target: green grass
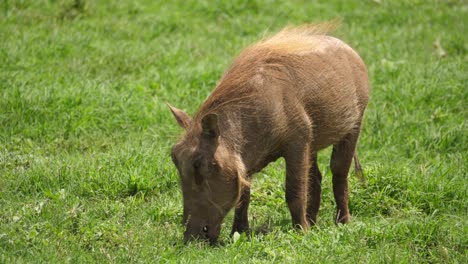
{"points": [[85, 172]]}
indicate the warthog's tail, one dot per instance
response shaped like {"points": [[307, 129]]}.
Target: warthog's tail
{"points": [[358, 169]]}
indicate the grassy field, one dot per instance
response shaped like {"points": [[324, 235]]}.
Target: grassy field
{"points": [[85, 170]]}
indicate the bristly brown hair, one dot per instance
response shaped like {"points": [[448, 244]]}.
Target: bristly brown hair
{"points": [[245, 73]]}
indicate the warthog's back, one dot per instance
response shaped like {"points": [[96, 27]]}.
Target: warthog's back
{"points": [[299, 74], [328, 80]]}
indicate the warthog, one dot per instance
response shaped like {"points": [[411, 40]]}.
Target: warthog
{"points": [[287, 96]]}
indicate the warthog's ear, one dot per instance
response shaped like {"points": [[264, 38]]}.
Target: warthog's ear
{"points": [[210, 126], [182, 118]]}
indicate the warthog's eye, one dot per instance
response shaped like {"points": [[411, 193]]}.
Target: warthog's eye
{"points": [[197, 161], [197, 164], [205, 229]]}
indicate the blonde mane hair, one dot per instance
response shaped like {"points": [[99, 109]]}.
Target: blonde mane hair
{"points": [[296, 40]]}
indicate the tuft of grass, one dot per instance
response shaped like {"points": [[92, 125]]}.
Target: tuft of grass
{"points": [[85, 172]]}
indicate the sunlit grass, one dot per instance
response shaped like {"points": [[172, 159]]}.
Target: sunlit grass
{"points": [[85, 172]]}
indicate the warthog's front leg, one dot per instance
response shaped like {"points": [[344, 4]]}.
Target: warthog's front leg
{"points": [[297, 169], [241, 219]]}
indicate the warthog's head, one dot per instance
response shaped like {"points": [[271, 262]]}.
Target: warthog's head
{"points": [[211, 175]]}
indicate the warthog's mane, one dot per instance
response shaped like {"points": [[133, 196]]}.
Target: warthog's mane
{"points": [[258, 62]]}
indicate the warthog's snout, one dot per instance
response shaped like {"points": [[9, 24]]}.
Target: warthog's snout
{"points": [[204, 232]]}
